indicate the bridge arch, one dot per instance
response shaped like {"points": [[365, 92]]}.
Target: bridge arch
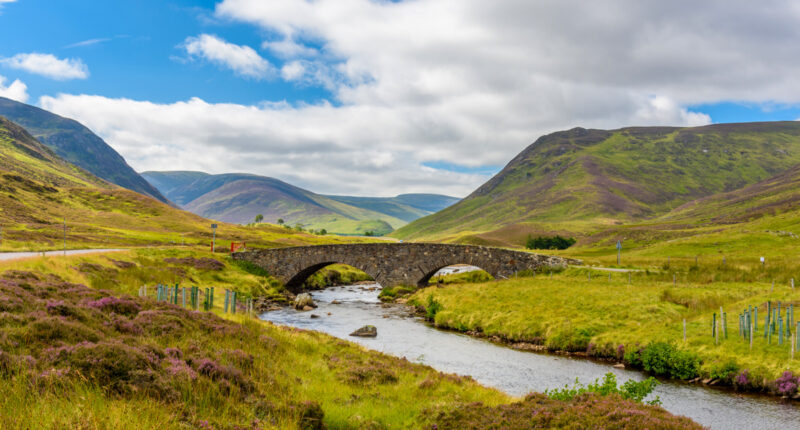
{"points": [[392, 264], [425, 280], [295, 283]]}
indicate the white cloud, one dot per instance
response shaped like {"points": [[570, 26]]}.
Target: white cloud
{"points": [[288, 48], [48, 66], [470, 82], [243, 60], [88, 42], [17, 90]]}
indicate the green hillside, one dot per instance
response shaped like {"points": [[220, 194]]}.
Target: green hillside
{"points": [[39, 191], [407, 207], [239, 197], [582, 181], [78, 145]]}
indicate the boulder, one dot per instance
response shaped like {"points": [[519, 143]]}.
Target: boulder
{"points": [[303, 301], [366, 331], [314, 316], [619, 366]]}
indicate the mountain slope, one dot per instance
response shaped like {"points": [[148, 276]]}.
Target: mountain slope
{"points": [[581, 180], [78, 145], [239, 197], [39, 191], [407, 207]]}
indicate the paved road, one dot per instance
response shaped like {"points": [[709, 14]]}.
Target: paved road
{"points": [[8, 256]]}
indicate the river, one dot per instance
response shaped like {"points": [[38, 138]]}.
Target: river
{"points": [[512, 371]]}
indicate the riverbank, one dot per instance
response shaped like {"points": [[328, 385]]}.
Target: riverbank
{"points": [[639, 324], [80, 349]]}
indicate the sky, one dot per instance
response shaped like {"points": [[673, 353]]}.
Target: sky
{"points": [[377, 97]]}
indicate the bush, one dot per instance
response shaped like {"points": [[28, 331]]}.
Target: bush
{"points": [[112, 304], [661, 358], [724, 371], [630, 390], [432, 308], [552, 242]]}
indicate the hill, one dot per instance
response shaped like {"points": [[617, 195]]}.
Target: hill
{"points": [[239, 197], [582, 181], [78, 145], [40, 190]]}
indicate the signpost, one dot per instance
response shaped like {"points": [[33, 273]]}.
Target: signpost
{"points": [[619, 249], [214, 237]]}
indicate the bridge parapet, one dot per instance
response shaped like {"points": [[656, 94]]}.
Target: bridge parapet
{"points": [[392, 264]]}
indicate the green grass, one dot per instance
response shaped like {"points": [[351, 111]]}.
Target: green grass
{"points": [[569, 312]]}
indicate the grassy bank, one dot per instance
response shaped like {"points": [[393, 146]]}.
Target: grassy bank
{"points": [[335, 274], [78, 351], [584, 311]]}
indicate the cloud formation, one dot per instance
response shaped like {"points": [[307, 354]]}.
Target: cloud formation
{"points": [[48, 65], [465, 82], [243, 60], [17, 90]]}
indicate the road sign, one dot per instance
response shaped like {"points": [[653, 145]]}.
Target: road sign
{"points": [[213, 226]]}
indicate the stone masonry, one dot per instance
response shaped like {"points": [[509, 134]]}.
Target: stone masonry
{"points": [[392, 264]]}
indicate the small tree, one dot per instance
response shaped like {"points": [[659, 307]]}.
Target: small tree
{"points": [[544, 242], [259, 218], [369, 233], [280, 221], [323, 232]]}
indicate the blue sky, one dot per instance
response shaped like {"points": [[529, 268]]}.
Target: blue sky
{"points": [[137, 52], [373, 97]]}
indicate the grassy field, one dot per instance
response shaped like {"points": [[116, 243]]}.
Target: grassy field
{"points": [[586, 311], [96, 356]]}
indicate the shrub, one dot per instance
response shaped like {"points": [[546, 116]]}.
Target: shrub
{"points": [[724, 371], [551, 242], [630, 390], [113, 366], [432, 308], [786, 385], [113, 304], [661, 358], [56, 328]]}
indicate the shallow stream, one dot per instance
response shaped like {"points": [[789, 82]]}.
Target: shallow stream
{"points": [[512, 371]]}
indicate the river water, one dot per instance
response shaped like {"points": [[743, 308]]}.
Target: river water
{"points": [[512, 371]]}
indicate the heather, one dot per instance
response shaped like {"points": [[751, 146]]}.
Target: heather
{"points": [[65, 343], [588, 410]]}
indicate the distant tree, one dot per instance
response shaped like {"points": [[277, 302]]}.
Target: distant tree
{"points": [[259, 218], [280, 221], [322, 232], [549, 242], [298, 227], [369, 233]]}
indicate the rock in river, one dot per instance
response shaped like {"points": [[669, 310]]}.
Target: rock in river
{"points": [[366, 331], [303, 301]]}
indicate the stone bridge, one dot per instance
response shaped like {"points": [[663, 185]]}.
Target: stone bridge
{"points": [[392, 264]]}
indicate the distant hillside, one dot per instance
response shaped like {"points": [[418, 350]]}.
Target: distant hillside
{"points": [[407, 207], [585, 180], [773, 196], [40, 190], [239, 197], [78, 145]]}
